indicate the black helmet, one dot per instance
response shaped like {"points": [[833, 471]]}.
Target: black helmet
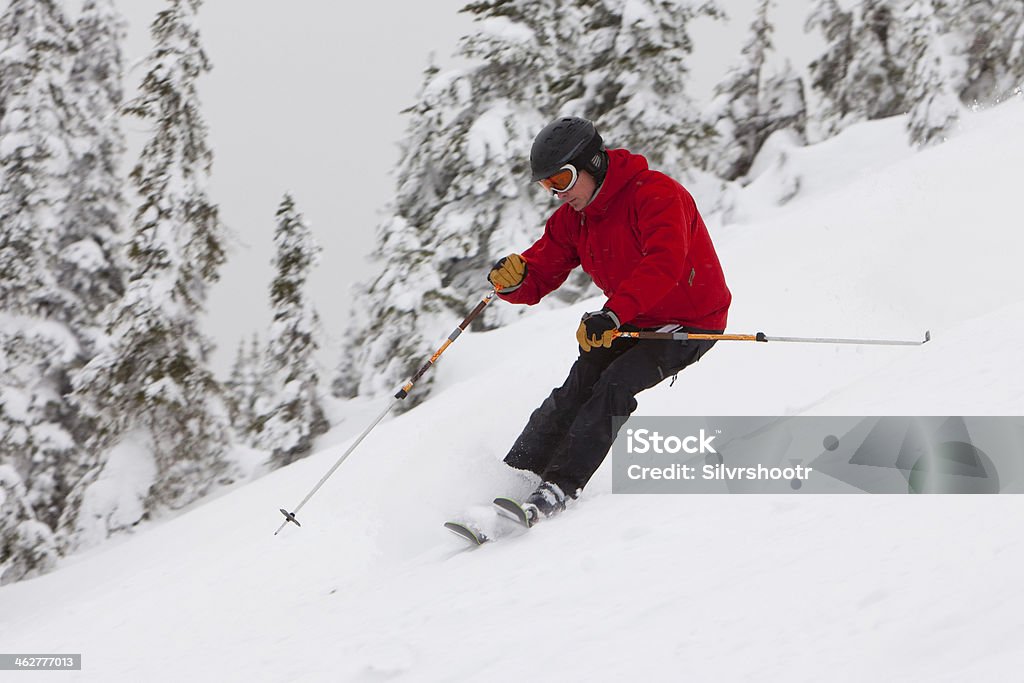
{"points": [[568, 140]]}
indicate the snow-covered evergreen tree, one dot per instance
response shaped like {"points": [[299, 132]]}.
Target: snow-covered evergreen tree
{"points": [[249, 390], [90, 246], [38, 452], [862, 73], [153, 376], [41, 331], [236, 391], [296, 416], [887, 57], [993, 47], [388, 312], [36, 106], [751, 103], [785, 101], [640, 82], [90, 264], [1016, 54], [737, 105], [935, 72], [27, 546]]}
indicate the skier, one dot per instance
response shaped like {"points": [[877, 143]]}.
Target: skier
{"points": [[639, 236]]}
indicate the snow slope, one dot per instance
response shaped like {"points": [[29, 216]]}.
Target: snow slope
{"points": [[722, 588]]}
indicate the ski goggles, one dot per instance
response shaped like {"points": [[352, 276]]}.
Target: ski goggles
{"points": [[561, 181]]}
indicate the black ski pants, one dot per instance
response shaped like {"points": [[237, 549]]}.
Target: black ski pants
{"points": [[569, 435]]}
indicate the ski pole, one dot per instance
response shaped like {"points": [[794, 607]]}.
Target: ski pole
{"points": [[762, 337], [402, 393]]}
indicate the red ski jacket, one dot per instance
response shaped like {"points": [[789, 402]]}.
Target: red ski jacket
{"points": [[643, 243]]}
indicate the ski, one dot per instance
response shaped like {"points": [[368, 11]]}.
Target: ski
{"points": [[468, 532], [513, 510]]}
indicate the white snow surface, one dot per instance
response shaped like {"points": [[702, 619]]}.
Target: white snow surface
{"points": [[706, 588]]}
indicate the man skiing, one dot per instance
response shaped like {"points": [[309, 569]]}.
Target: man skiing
{"points": [[638, 234]]}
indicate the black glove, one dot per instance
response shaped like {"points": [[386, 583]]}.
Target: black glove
{"points": [[508, 273], [597, 329]]}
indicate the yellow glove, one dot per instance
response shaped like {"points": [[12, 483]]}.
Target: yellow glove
{"points": [[508, 273], [597, 329]]}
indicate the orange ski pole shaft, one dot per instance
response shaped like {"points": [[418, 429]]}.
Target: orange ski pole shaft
{"points": [[404, 391]]}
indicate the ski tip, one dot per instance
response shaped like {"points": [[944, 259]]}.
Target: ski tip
{"points": [[927, 336], [514, 509], [473, 536]]}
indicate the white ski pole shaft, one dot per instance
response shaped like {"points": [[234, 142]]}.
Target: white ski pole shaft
{"points": [[762, 337], [829, 340], [290, 516]]}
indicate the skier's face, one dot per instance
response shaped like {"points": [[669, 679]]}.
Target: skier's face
{"points": [[580, 194]]}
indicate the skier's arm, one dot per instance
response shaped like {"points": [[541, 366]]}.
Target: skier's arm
{"points": [[664, 222], [549, 262]]}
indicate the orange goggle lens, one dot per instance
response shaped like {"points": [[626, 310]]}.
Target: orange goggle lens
{"points": [[561, 181]]}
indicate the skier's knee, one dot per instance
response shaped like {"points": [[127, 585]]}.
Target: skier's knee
{"points": [[617, 394]]}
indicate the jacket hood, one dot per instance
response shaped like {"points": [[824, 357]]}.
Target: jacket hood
{"points": [[623, 167]]}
